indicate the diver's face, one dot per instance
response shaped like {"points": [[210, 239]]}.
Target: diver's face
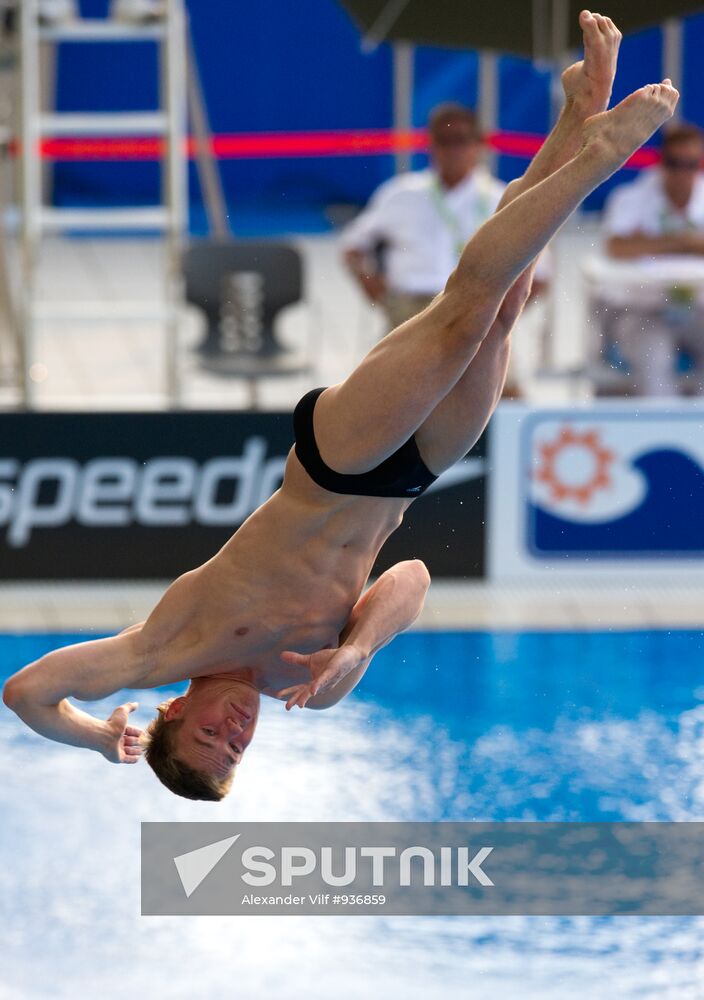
{"points": [[219, 717]]}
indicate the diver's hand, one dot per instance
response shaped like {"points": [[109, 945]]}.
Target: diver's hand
{"points": [[122, 741], [327, 668]]}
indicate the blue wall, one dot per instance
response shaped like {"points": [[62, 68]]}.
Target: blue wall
{"points": [[282, 66]]}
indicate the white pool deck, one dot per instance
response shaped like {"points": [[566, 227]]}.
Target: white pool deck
{"points": [[450, 605], [116, 363], [88, 365]]}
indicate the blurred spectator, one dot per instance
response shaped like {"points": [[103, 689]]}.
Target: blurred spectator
{"points": [[138, 10], [403, 246], [661, 213], [54, 11]]}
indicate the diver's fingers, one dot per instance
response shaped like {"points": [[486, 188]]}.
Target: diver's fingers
{"points": [[304, 697], [300, 697], [294, 697], [284, 691]]}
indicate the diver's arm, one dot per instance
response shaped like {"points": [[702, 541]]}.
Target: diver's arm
{"points": [[38, 695], [387, 608], [64, 723], [390, 606]]}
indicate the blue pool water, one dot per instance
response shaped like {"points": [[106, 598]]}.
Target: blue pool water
{"points": [[546, 726]]}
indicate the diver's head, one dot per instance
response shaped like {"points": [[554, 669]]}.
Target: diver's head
{"points": [[197, 741]]}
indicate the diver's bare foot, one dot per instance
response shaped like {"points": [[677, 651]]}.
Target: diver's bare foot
{"points": [[587, 84], [615, 135]]}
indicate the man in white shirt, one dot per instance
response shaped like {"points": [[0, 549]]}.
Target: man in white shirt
{"points": [[423, 219], [662, 213]]}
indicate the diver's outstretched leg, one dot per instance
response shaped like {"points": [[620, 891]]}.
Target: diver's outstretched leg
{"points": [[361, 421]]}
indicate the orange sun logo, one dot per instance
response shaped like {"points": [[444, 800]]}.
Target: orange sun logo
{"points": [[595, 457]]}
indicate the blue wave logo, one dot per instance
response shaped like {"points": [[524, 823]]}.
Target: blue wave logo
{"points": [[668, 521]]}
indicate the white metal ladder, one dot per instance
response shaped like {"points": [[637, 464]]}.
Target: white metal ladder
{"points": [[169, 216]]}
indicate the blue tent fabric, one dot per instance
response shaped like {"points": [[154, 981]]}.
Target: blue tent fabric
{"points": [[299, 67]]}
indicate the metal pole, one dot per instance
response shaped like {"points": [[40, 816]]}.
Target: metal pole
{"points": [[48, 70], [541, 14], [31, 181], [208, 171], [403, 58], [10, 337], [176, 183], [488, 100], [386, 19], [559, 60], [10, 347], [559, 55], [672, 36]]}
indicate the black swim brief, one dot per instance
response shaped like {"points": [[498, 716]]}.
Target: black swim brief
{"points": [[403, 474]]}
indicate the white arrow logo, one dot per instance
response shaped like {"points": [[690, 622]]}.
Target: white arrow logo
{"points": [[460, 472], [196, 865]]}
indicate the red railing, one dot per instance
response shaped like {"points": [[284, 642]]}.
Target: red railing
{"points": [[268, 145]]}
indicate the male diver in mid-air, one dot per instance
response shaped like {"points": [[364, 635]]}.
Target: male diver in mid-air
{"points": [[277, 611]]}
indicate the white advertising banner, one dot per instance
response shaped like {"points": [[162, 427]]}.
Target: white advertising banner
{"points": [[609, 488]]}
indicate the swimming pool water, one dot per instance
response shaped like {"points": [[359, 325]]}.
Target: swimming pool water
{"points": [[508, 725]]}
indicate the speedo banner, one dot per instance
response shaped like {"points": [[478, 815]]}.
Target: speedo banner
{"points": [[151, 495]]}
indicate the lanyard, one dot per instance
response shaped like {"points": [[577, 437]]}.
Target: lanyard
{"points": [[675, 222], [679, 297], [451, 219]]}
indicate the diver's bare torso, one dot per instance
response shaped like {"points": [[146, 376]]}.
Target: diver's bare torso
{"points": [[286, 580]]}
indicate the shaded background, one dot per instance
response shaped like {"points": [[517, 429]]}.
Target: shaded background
{"points": [[292, 67]]}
